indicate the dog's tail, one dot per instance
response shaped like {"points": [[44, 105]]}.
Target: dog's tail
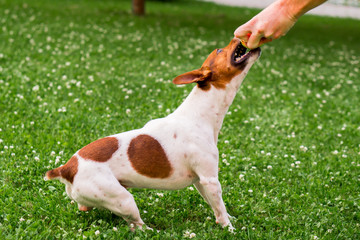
{"points": [[54, 173], [67, 172]]}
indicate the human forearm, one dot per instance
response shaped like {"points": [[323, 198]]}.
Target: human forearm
{"points": [[297, 8]]}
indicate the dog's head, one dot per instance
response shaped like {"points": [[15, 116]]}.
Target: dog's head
{"points": [[221, 66]]}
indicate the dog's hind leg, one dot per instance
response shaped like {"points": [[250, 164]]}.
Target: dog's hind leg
{"points": [[101, 189], [122, 203]]}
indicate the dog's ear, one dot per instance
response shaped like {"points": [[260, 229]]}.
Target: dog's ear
{"points": [[197, 75]]}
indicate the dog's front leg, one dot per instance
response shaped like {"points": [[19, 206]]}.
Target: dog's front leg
{"points": [[210, 189], [201, 190]]}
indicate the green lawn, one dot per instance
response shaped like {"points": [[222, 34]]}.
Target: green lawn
{"points": [[75, 71]]}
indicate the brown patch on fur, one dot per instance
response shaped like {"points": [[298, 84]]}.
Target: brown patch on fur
{"points": [[101, 150], [54, 173], [175, 136], [148, 158], [68, 171]]}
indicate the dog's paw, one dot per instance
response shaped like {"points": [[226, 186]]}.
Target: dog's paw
{"points": [[231, 228], [145, 228]]}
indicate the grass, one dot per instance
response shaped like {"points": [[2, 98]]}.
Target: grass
{"points": [[75, 71]]}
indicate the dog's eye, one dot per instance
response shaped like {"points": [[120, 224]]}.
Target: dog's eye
{"points": [[218, 51]]}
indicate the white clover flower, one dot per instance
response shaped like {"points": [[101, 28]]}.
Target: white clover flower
{"points": [[226, 162], [160, 194], [97, 232], [250, 191], [303, 148], [36, 88], [186, 234], [241, 176], [269, 167], [192, 235]]}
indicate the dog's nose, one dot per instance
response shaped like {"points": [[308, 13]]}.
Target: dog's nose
{"points": [[235, 40]]}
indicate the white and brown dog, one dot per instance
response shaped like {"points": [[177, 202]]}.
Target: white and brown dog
{"points": [[167, 153]]}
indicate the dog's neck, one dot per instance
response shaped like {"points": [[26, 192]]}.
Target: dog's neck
{"points": [[207, 109]]}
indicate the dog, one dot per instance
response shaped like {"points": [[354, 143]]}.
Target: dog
{"points": [[167, 153]]}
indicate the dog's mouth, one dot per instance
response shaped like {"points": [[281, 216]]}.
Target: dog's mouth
{"points": [[242, 53]]}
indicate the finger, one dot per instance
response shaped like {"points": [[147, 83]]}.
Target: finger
{"points": [[242, 33], [254, 41]]}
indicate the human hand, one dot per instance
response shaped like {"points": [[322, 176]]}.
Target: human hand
{"points": [[271, 23]]}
